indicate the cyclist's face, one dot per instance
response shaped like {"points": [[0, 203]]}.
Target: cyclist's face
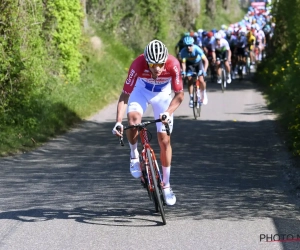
{"points": [[156, 69], [189, 48], [218, 41]]}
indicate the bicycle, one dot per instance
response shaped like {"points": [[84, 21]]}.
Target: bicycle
{"points": [[151, 177], [197, 103]]}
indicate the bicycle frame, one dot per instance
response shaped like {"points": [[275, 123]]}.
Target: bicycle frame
{"points": [[196, 96], [146, 146]]}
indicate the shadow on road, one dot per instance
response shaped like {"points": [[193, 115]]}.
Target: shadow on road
{"points": [[221, 170]]}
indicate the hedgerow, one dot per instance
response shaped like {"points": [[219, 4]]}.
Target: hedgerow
{"points": [[279, 73]]}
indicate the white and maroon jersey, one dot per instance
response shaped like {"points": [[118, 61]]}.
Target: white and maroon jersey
{"points": [[139, 75]]}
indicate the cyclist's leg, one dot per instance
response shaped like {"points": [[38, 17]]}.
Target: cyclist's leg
{"points": [[137, 104], [218, 70], [189, 74], [160, 104]]}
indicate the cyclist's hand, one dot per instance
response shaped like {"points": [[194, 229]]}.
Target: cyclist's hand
{"points": [[167, 117], [183, 74], [204, 73], [115, 131]]}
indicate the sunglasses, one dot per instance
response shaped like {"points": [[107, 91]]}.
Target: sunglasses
{"points": [[154, 65], [188, 46]]}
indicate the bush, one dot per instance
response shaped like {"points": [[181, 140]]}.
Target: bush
{"points": [[279, 73]]}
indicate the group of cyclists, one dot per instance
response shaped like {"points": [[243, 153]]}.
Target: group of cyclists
{"points": [[233, 43]]}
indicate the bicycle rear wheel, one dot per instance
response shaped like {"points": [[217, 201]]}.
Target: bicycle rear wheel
{"points": [[156, 186], [196, 104]]}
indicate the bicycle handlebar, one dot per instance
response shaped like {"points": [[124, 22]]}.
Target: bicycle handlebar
{"points": [[143, 125]]}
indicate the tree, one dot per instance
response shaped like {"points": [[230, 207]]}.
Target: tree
{"points": [[211, 8], [225, 4]]}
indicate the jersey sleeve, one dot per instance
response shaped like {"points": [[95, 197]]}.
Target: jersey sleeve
{"points": [[226, 45], [174, 69], [132, 76], [182, 53]]}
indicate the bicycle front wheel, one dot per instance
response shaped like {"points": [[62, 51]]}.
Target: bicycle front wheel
{"points": [[196, 104], [156, 185]]}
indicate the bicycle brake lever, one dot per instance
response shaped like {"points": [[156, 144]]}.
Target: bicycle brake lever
{"points": [[121, 137], [166, 125], [121, 141]]}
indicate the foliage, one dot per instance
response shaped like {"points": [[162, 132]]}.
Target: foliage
{"points": [[214, 13], [135, 23], [67, 35], [29, 66], [279, 73], [22, 50]]}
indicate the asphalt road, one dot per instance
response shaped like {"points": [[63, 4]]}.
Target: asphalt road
{"points": [[76, 192]]}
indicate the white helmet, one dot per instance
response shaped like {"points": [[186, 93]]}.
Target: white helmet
{"points": [[218, 36], [223, 27], [200, 31], [156, 52]]}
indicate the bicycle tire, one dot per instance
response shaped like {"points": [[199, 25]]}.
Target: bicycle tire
{"points": [[196, 107], [156, 187]]}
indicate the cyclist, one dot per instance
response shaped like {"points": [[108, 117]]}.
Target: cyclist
{"points": [[231, 39], [241, 49], [179, 46], [261, 41], [193, 58], [251, 46], [221, 50], [150, 79]]}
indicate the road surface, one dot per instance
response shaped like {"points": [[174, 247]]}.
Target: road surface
{"points": [[76, 192]]}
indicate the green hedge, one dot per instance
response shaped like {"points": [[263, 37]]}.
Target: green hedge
{"points": [[279, 73]]}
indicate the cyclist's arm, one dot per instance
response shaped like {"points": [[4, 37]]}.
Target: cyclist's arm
{"points": [[183, 64], [229, 55], [136, 66], [177, 86], [122, 105], [176, 101], [205, 61], [213, 53], [200, 52]]}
